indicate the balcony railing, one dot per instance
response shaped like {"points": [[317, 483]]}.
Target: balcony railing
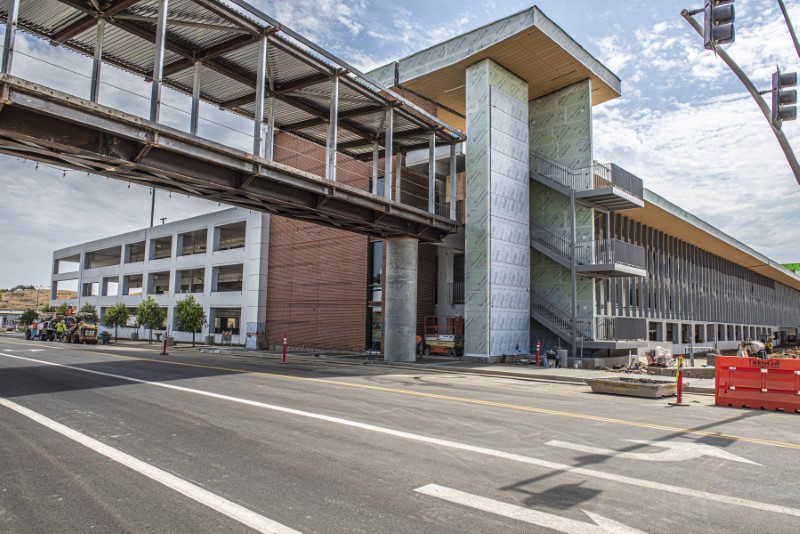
{"points": [[455, 293], [610, 252], [608, 328], [596, 176]]}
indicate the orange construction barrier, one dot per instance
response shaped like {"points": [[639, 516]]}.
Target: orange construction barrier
{"points": [[772, 384]]}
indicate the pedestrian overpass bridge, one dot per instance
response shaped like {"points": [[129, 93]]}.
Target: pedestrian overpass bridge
{"points": [[313, 115]]}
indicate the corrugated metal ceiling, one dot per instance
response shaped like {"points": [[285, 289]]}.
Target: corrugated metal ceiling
{"points": [[225, 42]]}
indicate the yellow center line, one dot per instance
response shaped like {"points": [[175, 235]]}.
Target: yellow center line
{"points": [[465, 400]]}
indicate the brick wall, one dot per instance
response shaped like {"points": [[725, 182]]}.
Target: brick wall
{"points": [[317, 282]]}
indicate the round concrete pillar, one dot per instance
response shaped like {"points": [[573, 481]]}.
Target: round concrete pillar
{"points": [[400, 331]]}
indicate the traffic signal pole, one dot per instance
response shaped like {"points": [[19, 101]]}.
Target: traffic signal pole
{"points": [[765, 110]]}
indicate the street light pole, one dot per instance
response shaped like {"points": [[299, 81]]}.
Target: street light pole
{"points": [[787, 148]]}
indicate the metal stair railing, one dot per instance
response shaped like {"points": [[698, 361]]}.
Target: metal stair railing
{"points": [[551, 311], [553, 241]]}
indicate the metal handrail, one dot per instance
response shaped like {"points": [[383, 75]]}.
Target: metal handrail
{"points": [[610, 251], [595, 176], [553, 241], [551, 311]]}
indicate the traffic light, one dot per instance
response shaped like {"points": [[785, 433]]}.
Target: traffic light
{"points": [[783, 100], [718, 27]]}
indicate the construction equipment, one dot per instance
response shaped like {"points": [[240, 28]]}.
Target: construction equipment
{"points": [[752, 348], [81, 329], [444, 335]]}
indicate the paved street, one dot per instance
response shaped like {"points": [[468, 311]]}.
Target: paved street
{"points": [[120, 439]]}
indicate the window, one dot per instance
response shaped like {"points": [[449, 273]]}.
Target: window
{"points": [[374, 287], [227, 320], [230, 236], [229, 278], [132, 284], [91, 289], [67, 265], [134, 252], [190, 281], [193, 242], [111, 286], [103, 258], [159, 284], [161, 248]]}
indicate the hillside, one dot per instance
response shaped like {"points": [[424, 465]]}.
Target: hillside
{"points": [[23, 299]]}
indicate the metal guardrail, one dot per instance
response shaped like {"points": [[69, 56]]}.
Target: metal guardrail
{"points": [[551, 311], [551, 240], [595, 176], [455, 293], [609, 252]]}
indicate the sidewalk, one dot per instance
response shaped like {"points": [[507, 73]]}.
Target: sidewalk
{"points": [[518, 371]]}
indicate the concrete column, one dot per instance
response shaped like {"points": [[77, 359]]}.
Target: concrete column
{"points": [[497, 234], [254, 305], [400, 300]]}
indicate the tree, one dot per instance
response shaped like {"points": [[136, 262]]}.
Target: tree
{"points": [[61, 309], [47, 309], [90, 309], [116, 316], [28, 316], [189, 315], [150, 315]]}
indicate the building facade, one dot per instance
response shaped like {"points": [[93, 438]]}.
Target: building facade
{"points": [[553, 246], [220, 258]]}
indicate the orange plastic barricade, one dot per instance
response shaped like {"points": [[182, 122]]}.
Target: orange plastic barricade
{"points": [[758, 384]]}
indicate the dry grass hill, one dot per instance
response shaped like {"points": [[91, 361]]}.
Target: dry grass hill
{"points": [[22, 299]]}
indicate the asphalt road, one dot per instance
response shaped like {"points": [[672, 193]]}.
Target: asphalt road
{"points": [[124, 440]]}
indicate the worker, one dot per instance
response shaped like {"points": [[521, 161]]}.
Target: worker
{"points": [[60, 329]]}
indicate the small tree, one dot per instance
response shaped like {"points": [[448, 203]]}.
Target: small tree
{"points": [[189, 315], [90, 309], [28, 316], [47, 309], [116, 316], [61, 309], [150, 315]]}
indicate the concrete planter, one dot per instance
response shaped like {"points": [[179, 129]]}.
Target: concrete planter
{"points": [[633, 387]]}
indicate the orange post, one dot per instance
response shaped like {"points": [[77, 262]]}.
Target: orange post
{"points": [[284, 349], [679, 378], [538, 346]]}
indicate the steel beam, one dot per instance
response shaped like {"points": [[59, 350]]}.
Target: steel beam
{"points": [[194, 120], [11, 33], [453, 169], [258, 119], [398, 177], [158, 61], [97, 63], [269, 144], [333, 127], [375, 168], [432, 174], [210, 53], [388, 151]]}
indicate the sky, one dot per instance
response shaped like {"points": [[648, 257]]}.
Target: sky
{"points": [[684, 123]]}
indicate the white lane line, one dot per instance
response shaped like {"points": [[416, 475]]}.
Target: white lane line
{"points": [[204, 497], [545, 464], [603, 525]]}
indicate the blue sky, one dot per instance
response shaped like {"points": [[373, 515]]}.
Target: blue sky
{"points": [[684, 123]]}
